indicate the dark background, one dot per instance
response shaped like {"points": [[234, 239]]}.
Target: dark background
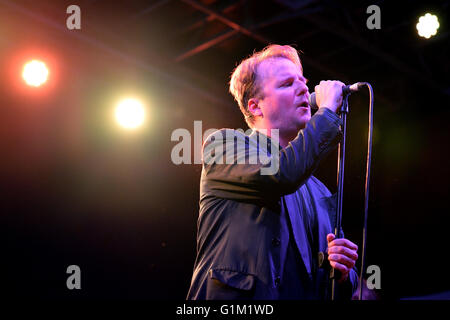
{"points": [[76, 189]]}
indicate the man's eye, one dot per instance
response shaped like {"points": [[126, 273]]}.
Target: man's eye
{"points": [[288, 84]]}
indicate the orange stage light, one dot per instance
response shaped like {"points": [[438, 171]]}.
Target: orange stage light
{"points": [[35, 73]]}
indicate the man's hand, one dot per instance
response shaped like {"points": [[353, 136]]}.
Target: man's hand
{"points": [[342, 254], [329, 94]]}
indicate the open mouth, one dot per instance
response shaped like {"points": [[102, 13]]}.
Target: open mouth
{"points": [[304, 104]]}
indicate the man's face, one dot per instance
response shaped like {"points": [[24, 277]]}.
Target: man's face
{"points": [[285, 102]]}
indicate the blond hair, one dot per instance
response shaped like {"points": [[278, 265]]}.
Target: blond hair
{"points": [[244, 83]]}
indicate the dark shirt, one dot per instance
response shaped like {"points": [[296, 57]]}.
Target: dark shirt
{"points": [[295, 284]]}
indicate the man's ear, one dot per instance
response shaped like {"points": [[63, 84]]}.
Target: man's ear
{"points": [[254, 108]]}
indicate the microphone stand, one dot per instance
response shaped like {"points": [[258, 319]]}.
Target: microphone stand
{"points": [[341, 162], [340, 182]]}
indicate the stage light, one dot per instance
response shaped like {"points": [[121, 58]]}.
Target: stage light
{"points": [[130, 113], [427, 25], [35, 73]]}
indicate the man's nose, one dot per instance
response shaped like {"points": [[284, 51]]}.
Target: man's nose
{"points": [[302, 88]]}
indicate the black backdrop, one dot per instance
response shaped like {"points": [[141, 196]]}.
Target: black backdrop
{"points": [[75, 189]]}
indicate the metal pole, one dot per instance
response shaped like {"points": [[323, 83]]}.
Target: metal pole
{"points": [[340, 193]]}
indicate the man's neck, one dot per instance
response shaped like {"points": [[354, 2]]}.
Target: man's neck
{"points": [[284, 141]]}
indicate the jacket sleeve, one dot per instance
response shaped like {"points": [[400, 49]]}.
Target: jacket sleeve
{"points": [[237, 178], [346, 289]]}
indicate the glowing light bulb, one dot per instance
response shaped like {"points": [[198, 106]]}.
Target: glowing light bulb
{"points": [[130, 113], [427, 25], [35, 73]]}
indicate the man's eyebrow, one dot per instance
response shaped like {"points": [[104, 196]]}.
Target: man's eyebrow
{"points": [[290, 76]]}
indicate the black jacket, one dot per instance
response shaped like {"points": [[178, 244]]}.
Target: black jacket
{"points": [[245, 216]]}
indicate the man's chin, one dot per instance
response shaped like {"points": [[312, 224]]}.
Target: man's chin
{"points": [[304, 121]]}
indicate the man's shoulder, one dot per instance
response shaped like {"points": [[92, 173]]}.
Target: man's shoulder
{"points": [[228, 134]]}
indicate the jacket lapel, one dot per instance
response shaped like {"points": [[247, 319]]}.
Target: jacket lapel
{"points": [[326, 209], [298, 228]]}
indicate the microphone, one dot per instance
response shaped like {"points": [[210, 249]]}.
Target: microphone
{"points": [[346, 90]]}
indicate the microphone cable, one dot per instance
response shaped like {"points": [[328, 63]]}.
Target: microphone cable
{"points": [[366, 191]]}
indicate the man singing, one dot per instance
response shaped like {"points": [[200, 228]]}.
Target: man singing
{"points": [[269, 236]]}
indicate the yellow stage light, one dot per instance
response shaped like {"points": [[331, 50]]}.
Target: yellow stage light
{"points": [[130, 113]]}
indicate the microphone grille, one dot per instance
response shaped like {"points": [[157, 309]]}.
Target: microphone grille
{"points": [[312, 101]]}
